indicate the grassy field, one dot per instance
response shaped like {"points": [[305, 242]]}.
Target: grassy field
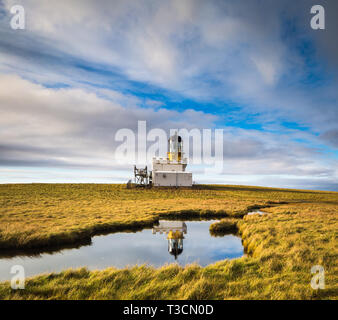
{"points": [[300, 231]]}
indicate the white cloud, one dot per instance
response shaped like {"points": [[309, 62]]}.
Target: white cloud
{"points": [[203, 50], [73, 128], [267, 70]]}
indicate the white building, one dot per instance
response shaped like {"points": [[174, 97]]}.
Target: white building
{"points": [[170, 171]]}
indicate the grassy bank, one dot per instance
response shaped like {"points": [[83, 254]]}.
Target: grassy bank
{"points": [[299, 232], [227, 225]]}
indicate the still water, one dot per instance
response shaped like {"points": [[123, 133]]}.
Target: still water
{"points": [[168, 242]]}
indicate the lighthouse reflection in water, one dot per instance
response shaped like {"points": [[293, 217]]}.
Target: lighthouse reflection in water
{"points": [[174, 230]]}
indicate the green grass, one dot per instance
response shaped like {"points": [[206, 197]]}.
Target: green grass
{"points": [[300, 231], [227, 225]]}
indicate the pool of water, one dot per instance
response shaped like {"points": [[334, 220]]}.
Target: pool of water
{"points": [[168, 242]]}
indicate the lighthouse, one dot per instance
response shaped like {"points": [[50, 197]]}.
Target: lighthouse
{"points": [[170, 171], [175, 231]]}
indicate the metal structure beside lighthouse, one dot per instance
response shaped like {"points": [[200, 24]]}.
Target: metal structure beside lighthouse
{"points": [[170, 171]]}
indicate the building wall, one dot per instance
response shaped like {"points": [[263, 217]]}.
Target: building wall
{"points": [[167, 226], [172, 179], [168, 166]]}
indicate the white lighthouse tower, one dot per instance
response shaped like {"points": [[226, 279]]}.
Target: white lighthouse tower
{"points": [[170, 171]]}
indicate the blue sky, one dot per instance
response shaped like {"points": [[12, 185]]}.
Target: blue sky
{"points": [[81, 70]]}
